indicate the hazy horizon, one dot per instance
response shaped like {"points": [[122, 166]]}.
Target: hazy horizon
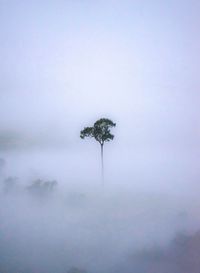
{"points": [[64, 65]]}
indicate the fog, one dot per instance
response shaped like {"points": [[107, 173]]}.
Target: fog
{"points": [[64, 65]]}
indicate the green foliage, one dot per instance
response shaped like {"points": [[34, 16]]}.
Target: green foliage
{"points": [[87, 132], [100, 130]]}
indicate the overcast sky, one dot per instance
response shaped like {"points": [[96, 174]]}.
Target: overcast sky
{"points": [[66, 63]]}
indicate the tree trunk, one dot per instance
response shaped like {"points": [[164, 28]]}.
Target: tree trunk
{"points": [[102, 166]]}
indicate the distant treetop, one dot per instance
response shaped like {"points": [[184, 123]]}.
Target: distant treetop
{"points": [[100, 130]]}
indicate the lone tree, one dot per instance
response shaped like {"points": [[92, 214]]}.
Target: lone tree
{"points": [[101, 133]]}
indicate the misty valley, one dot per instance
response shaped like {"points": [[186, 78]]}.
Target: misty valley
{"points": [[46, 227], [99, 136]]}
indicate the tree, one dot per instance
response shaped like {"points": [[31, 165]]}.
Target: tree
{"points": [[101, 133], [41, 188], [10, 184]]}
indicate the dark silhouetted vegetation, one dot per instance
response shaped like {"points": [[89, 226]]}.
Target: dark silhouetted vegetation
{"points": [[100, 131], [41, 188]]}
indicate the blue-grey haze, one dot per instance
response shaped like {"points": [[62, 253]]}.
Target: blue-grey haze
{"points": [[63, 65]]}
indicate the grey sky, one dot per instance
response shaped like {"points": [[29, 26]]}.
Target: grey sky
{"points": [[66, 63]]}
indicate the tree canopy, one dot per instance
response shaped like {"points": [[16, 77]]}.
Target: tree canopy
{"points": [[100, 130]]}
